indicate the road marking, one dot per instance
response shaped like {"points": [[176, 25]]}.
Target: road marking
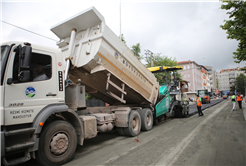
{"points": [[175, 153]]}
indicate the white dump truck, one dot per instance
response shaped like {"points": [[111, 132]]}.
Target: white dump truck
{"points": [[43, 110]]}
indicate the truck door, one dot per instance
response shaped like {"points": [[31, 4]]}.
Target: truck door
{"points": [[24, 100]]}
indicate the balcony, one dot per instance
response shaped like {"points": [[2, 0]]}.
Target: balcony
{"points": [[232, 76], [231, 80]]}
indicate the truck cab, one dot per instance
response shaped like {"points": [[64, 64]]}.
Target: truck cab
{"points": [[22, 85], [204, 94], [31, 83]]}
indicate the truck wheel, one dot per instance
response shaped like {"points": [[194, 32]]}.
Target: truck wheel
{"points": [[120, 131], [146, 119], [134, 125], [57, 143]]}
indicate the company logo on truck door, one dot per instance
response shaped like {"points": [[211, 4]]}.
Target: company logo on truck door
{"points": [[116, 55], [30, 92]]}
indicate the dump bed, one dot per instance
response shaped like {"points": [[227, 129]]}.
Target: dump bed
{"points": [[106, 66]]}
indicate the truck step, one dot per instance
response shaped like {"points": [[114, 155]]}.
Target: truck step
{"points": [[19, 131], [15, 161], [19, 146]]}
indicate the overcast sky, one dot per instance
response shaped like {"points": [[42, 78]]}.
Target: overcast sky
{"points": [[185, 30]]}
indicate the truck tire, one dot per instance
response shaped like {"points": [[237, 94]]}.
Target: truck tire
{"points": [[146, 119], [134, 125], [120, 131], [57, 143]]}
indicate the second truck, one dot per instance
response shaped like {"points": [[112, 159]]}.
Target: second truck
{"points": [[43, 110]]}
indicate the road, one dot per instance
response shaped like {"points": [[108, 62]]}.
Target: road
{"points": [[217, 138], [213, 102]]}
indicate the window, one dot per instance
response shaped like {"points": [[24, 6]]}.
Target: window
{"points": [[184, 67], [188, 66], [4, 58], [188, 74], [40, 67], [185, 75]]}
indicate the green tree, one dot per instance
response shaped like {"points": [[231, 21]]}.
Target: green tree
{"points": [[136, 49], [122, 38], [159, 60], [236, 26], [232, 89], [240, 83], [89, 97]]}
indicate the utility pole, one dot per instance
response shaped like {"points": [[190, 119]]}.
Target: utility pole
{"points": [[120, 20], [152, 60]]}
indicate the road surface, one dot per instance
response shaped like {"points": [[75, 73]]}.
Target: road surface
{"points": [[217, 138], [213, 102]]}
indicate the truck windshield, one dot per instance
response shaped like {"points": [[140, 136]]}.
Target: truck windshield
{"points": [[202, 93], [4, 50]]}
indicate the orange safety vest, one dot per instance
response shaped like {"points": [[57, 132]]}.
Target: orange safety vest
{"points": [[199, 102], [239, 98]]}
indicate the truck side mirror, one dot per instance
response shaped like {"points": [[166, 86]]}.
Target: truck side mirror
{"points": [[25, 55], [24, 76]]}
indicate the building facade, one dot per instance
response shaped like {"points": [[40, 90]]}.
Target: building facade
{"points": [[212, 78], [226, 78], [197, 75]]}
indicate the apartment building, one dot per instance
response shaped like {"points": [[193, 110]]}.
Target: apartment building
{"points": [[227, 77], [212, 78], [197, 75]]}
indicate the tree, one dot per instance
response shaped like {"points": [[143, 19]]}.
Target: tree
{"points": [[122, 38], [240, 83], [236, 27], [163, 61], [232, 89], [136, 49], [89, 97]]}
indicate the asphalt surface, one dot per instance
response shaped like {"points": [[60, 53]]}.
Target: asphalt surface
{"points": [[213, 102], [220, 140], [217, 138]]}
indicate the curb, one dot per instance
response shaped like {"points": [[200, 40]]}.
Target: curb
{"points": [[244, 111]]}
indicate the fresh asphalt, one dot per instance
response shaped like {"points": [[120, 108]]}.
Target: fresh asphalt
{"points": [[193, 109]]}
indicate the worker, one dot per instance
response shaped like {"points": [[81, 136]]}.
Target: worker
{"points": [[40, 74], [233, 101], [239, 100], [199, 105]]}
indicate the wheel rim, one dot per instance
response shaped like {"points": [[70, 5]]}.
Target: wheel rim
{"points": [[59, 143], [148, 120], [135, 123]]}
